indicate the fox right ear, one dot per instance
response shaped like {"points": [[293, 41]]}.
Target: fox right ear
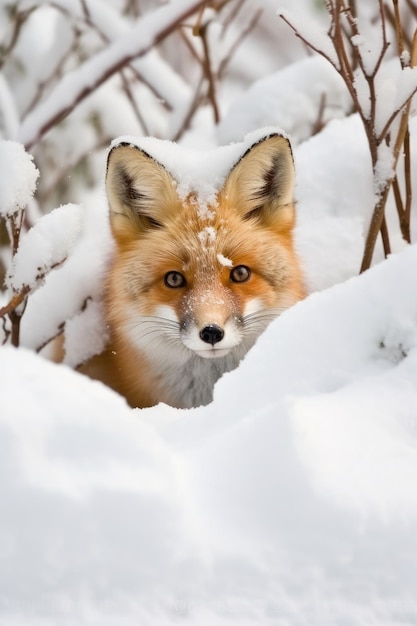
{"points": [[261, 184], [139, 190]]}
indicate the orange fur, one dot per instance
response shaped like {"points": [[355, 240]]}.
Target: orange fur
{"points": [[171, 343]]}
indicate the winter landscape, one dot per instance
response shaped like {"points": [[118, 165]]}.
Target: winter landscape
{"points": [[291, 499]]}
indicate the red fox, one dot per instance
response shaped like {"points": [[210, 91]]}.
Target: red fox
{"points": [[190, 291]]}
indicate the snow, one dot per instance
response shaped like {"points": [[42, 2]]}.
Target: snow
{"points": [[10, 118], [312, 31], [396, 86], [85, 335], [224, 261], [46, 245], [289, 99], [285, 499], [384, 168], [290, 500], [18, 169], [200, 172], [70, 287]]}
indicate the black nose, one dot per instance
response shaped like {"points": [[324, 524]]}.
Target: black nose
{"points": [[212, 334]]}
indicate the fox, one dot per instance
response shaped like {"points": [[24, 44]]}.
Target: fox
{"points": [[189, 291]]}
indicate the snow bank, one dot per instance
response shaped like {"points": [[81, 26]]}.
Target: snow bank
{"points": [[291, 499]]}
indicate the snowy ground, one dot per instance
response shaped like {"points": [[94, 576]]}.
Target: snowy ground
{"points": [[291, 500]]}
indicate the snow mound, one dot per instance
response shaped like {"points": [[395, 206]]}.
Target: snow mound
{"points": [[290, 499]]}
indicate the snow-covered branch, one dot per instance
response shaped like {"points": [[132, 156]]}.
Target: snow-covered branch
{"points": [[79, 83], [381, 89]]}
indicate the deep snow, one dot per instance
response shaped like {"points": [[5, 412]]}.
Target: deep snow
{"points": [[289, 500]]}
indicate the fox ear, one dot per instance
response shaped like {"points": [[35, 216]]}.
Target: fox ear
{"points": [[261, 184], [139, 190]]}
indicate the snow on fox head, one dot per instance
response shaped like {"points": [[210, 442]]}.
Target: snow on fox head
{"points": [[201, 266]]}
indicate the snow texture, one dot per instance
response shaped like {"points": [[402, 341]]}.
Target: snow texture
{"points": [[198, 172], [19, 175], [312, 31], [295, 98], [46, 245], [283, 500], [69, 289]]}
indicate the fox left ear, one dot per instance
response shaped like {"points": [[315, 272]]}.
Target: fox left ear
{"points": [[261, 184], [140, 191]]}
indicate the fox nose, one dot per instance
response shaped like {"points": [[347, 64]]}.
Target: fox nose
{"points": [[212, 334]]}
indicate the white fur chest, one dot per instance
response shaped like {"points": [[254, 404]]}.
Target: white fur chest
{"points": [[189, 384]]}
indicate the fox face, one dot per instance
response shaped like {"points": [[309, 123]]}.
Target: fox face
{"points": [[194, 282]]}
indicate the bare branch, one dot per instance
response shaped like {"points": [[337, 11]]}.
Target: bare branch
{"points": [[190, 113], [208, 71], [18, 18], [15, 302]]}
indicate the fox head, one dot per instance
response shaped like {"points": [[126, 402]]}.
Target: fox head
{"points": [[192, 277]]}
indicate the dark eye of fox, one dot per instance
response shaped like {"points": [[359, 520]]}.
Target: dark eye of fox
{"points": [[240, 274], [174, 280]]}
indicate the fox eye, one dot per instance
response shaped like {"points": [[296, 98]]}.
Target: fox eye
{"points": [[240, 274], [174, 280]]}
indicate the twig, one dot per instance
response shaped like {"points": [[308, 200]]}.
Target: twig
{"points": [[86, 10], [87, 21], [190, 113], [379, 210], [408, 188], [15, 302], [209, 73], [18, 18], [319, 122], [19, 299], [6, 331], [236, 8], [238, 41], [56, 72], [385, 237], [16, 221], [133, 104]]}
